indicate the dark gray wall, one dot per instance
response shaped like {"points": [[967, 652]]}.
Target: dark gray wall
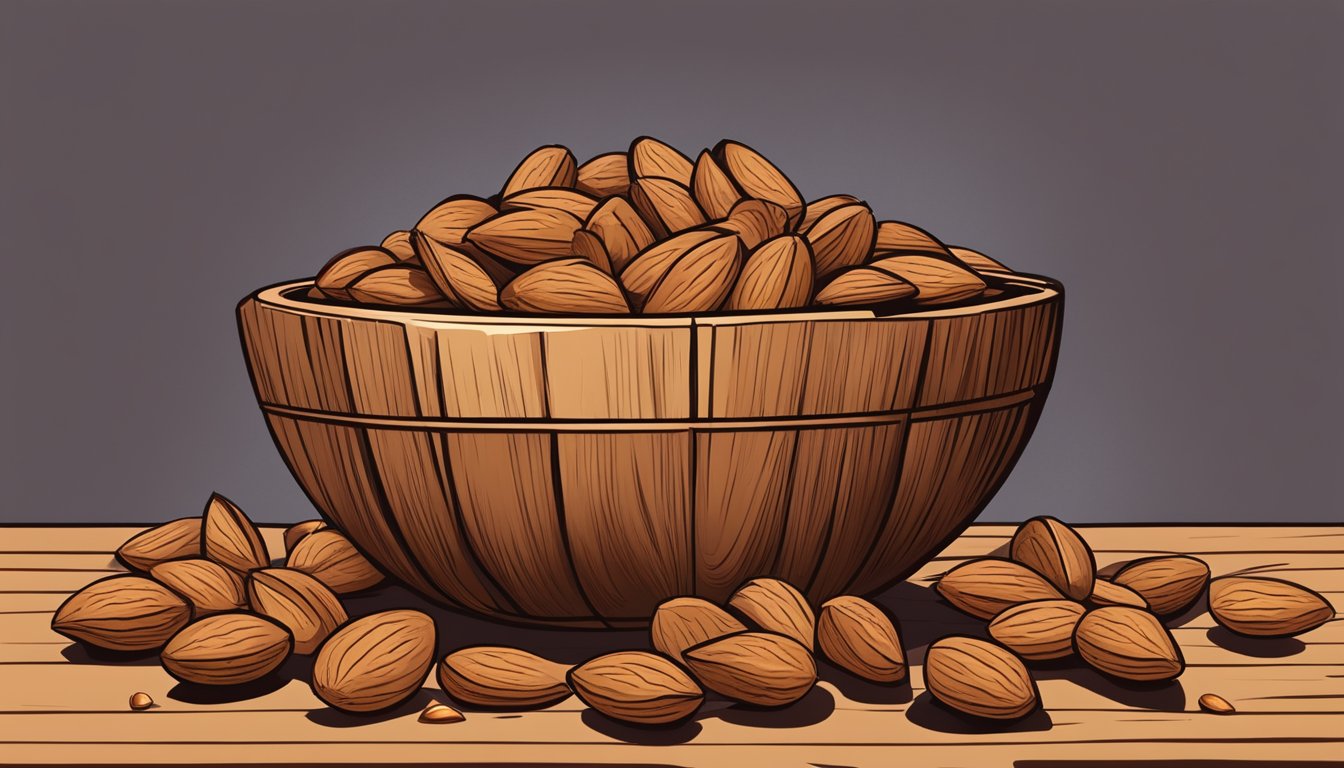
{"points": [[1176, 164]]}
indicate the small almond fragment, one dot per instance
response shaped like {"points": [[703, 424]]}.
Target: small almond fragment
{"points": [[457, 275], [122, 613], [1169, 584], [1263, 607], [297, 531], [549, 166], [399, 245], [140, 701], [527, 235], [169, 541], [864, 286], [571, 201], [665, 205], [397, 285], [621, 229], [207, 585], [644, 271], [1213, 703], [777, 275], [1057, 552], [682, 622], [977, 260], [979, 678], [229, 538], [499, 676], [761, 668], [637, 687], [841, 238], [346, 267], [985, 587], [776, 606], [755, 221], [298, 601], [899, 237], [450, 220], [440, 713], [699, 281], [939, 281], [1107, 593], [227, 649], [329, 557], [758, 177], [1041, 629], [376, 662], [714, 191], [1128, 643], [651, 158], [822, 206], [861, 638], [565, 286], [604, 175]]}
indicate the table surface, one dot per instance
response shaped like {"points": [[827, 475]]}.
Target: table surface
{"points": [[60, 705]]}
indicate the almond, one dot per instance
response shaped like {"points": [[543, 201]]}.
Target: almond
{"points": [[755, 221], [777, 275], [622, 232], [758, 177], [550, 166], [570, 201], [589, 247], [299, 602], [651, 158], [821, 206], [861, 638], [760, 668], [1055, 551], [140, 701], [938, 281], [440, 713], [376, 662], [449, 221], [1212, 702], [1107, 593], [648, 267], [979, 678], [637, 687], [976, 260], [714, 191], [122, 613], [864, 286], [399, 245], [397, 285], [842, 238], [329, 557], [1042, 629], [457, 275], [169, 541], [665, 205], [499, 676], [297, 531], [227, 649], [565, 286], [1128, 643], [699, 281], [527, 235], [775, 606], [899, 237], [208, 586], [1169, 584], [604, 175], [229, 538], [1262, 607], [682, 622], [346, 267], [985, 587]]}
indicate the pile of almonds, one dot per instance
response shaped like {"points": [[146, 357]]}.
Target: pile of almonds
{"points": [[649, 231], [206, 596]]}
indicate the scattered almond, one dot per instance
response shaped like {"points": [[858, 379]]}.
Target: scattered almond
{"points": [[1212, 702], [328, 556], [1058, 553], [682, 622], [140, 701], [208, 586], [440, 713], [985, 587], [761, 668], [1263, 607], [297, 601], [122, 613], [229, 538], [565, 286], [376, 662], [637, 687], [552, 166], [1128, 643], [227, 649], [979, 678], [776, 606], [169, 541], [859, 637], [499, 676], [1042, 629], [1169, 584]]}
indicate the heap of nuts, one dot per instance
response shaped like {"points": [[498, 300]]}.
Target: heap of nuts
{"points": [[204, 593], [649, 231]]}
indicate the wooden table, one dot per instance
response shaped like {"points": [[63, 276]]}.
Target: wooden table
{"points": [[60, 705]]}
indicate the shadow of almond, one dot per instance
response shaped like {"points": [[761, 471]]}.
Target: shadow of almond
{"points": [[334, 718], [927, 712], [1167, 696], [813, 708], [77, 653], [863, 691], [1258, 647], [647, 735], [923, 616], [195, 693]]}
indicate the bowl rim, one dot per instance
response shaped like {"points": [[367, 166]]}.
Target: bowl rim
{"points": [[1041, 289]]}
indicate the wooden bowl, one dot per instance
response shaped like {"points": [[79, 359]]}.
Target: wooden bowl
{"points": [[578, 471]]}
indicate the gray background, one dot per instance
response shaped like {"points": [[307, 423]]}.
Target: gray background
{"points": [[1176, 164]]}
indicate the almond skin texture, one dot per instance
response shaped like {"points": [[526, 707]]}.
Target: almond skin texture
{"points": [[375, 663], [665, 205], [637, 687], [899, 237], [644, 271], [776, 606], [683, 622], [1170, 584], [457, 275], [622, 232], [227, 649], [985, 587], [1106, 593], [714, 191], [755, 221], [1212, 702], [140, 701], [297, 601], [777, 275], [590, 247], [449, 221], [758, 177], [864, 286], [328, 556], [527, 235], [565, 286], [1128, 643], [650, 157], [842, 238], [1260, 607], [699, 281], [821, 206], [604, 175], [979, 678], [571, 201], [549, 166], [346, 267], [760, 668], [440, 713], [977, 261], [298, 530], [170, 541], [229, 538], [122, 613], [938, 281], [208, 586], [499, 676], [1038, 630], [1055, 551], [399, 245], [859, 637], [397, 285]]}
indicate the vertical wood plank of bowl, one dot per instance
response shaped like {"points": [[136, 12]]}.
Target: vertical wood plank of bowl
{"points": [[758, 369], [507, 496], [495, 373], [422, 346], [863, 366], [296, 359], [378, 364], [414, 478], [704, 370], [627, 513], [993, 353], [332, 465], [949, 466], [741, 492], [619, 373]]}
